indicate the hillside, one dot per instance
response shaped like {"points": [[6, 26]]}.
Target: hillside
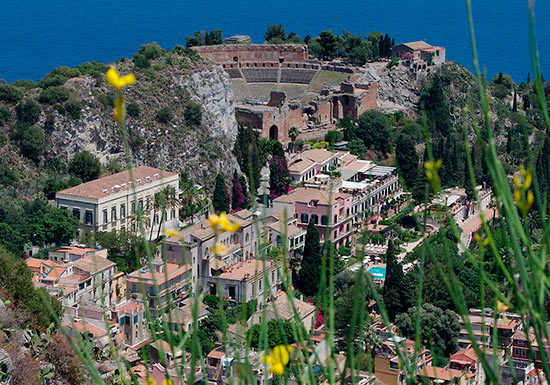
{"points": [[180, 117]]}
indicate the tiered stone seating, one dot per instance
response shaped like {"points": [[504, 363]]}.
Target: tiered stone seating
{"points": [[260, 75], [234, 73], [299, 76]]}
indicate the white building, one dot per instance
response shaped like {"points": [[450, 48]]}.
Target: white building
{"points": [[108, 203]]}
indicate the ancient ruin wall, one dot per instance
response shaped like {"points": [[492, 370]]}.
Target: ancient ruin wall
{"points": [[253, 52]]}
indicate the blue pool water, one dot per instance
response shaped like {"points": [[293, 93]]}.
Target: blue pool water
{"points": [[378, 272], [37, 36]]}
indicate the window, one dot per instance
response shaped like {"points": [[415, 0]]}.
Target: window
{"points": [[122, 210], [76, 213], [63, 207], [133, 206], [247, 237], [173, 214], [516, 352], [335, 218], [232, 291], [156, 219], [105, 218], [324, 220], [260, 284], [113, 213], [335, 233], [523, 353], [121, 321], [140, 204], [133, 227], [315, 218], [305, 218], [347, 212], [147, 201], [136, 319], [89, 217]]}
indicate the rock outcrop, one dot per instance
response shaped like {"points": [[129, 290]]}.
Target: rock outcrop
{"points": [[398, 90], [177, 145]]}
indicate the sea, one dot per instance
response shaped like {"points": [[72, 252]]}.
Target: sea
{"points": [[37, 36]]}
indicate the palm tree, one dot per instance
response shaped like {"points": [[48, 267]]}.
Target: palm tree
{"points": [[371, 343], [190, 198], [163, 201], [293, 133]]}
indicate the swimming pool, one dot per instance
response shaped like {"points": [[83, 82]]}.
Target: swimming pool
{"points": [[378, 272]]}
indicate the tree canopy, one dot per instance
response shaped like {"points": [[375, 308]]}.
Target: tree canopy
{"points": [[86, 166]]}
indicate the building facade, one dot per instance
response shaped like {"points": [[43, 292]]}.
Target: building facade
{"points": [[108, 203]]}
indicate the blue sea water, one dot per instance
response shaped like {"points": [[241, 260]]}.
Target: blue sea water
{"points": [[37, 36]]}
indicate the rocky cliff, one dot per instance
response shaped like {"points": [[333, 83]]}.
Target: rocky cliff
{"points": [[173, 141]]}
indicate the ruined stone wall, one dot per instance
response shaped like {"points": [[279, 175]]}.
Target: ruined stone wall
{"points": [[253, 52], [368, 100]]}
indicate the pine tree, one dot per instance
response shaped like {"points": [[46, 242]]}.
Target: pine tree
{"points": [[237, 194], [392, 291], [279, 177], [220, 198], [309, 276]]}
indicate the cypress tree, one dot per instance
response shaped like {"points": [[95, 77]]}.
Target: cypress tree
{"points": [[220, 198], [279, 177], [392, 291], [309, 276], [407, 160], [542, 168], [528, 77], [515, 104], [237, 194], [242, 180]]}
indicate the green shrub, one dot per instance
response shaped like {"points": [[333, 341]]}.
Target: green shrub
{"points": [[93, 68], [28, 112], [3, 140], [8, 176], [58, 77], [164, 115], [59, 108], [151, 51], [50, 119], [33, 143], [133, 110], [25, 83], [140, 61], [85, 166], [193, 114], [10, 93], [5, 115], [54, 95], [73, 108], [107, 100], [184, 51]]}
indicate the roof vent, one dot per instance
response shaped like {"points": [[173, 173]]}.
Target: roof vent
{"points": [[143, 271], [156, 176], [139, 181], [123, 185], [148, 178], [106, 191]]}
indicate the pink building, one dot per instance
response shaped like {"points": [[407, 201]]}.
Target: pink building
{"points": [[330, 212]]}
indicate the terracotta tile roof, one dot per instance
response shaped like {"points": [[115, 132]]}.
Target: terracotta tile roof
{"points": [[245, 269], [347, 158], [440, 373], [82, 327], [172, 270], [95, 188], [34, 264], [469, 355], [130, 307], [417, 45], [285, 309], [75, 250], [203, 231], [317, 155], [358, 165], [93, 264], [306, 195], [290, 230], [243, 214], [300, 164]]}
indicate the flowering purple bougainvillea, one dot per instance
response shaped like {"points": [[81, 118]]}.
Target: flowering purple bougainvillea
{"points": [[238, 201], [279, 178]]}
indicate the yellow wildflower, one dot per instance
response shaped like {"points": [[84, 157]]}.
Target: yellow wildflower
{"points": [[150, 381], [172, 233], [118, 82], [523, 197], [218, 248], [502, 308], [119, 109], [167, 381], [222, 223], [431, 170], [277, 360]]}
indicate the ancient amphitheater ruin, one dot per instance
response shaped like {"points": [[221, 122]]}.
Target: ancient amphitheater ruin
{"points": [[277, 87]]}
